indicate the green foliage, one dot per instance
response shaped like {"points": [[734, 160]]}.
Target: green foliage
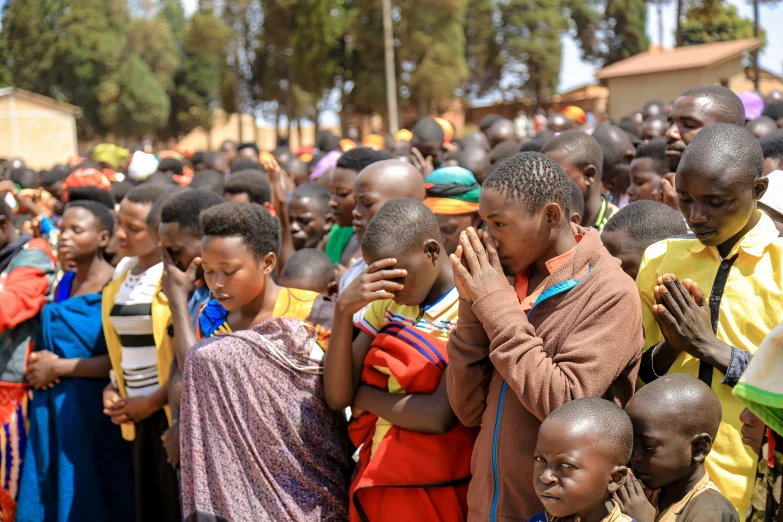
{"points": [[709, 21], [609, 30], [482, 49], [27, 43], [153, 41], [196, 88], [531, 31]]}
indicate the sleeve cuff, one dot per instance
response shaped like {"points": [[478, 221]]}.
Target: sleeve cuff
{"points": [[737, 364]]}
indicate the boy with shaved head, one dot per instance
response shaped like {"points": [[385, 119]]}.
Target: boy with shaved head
{"points": [[581, 157], [581, 459], [709, 301], [675, 422], [375, 185]]}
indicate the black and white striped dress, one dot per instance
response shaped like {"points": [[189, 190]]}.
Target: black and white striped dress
{"points": [[131, 318]]}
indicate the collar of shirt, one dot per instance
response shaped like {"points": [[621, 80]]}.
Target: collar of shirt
{"points": [[753, 243], [522, 280], [444, 303]]}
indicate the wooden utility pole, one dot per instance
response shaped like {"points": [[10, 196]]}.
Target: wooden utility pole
{"points": [[756, 52], [391, 75]]}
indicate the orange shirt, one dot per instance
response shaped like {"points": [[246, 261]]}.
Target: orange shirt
{"points": [[521, 283]]}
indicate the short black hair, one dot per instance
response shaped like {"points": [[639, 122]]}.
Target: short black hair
{"points": [[729, 106], [581, 148], [248, 145], [145, 194], [311, 265], [209, 180], [532, 145], [401, 225], [612, 426], [765, 124], [359, 158], [185, 207], [646, 222], [99, 210], [91, 193], [487, 121], [249, 221], [56, 175], [170, 165], [532, 179], [316, 192], [326, 141], [119, 189], [774, 110], [25, 178], [166, 193], [254, 183], [686, 400], [629, 126], [725, 146], [503, 150], [653, 103], [772, 145], [246, 164], [164, 179], [427, 129], [198, 157], [577, 198], [655, 151]]}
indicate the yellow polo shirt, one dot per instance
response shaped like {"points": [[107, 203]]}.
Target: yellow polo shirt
{"points": [[751, 306]]}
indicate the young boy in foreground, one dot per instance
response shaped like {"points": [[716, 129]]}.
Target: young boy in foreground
{"points": [[581, 458], [569, 328], [415, 459], [675, 420]]}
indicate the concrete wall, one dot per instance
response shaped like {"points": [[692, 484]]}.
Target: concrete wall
{"points": [[40, 135], [629, 93]]}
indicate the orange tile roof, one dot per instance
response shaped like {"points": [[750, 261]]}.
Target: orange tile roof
{"points": [[690, 57]]}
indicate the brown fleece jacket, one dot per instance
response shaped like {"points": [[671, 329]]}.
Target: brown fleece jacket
{"points": [[506, 372]]}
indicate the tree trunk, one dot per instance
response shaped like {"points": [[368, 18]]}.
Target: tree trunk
{"points": [[238, 90], [277, 125], [678, 30], [660, 23], [756, 52], [317, 116]]}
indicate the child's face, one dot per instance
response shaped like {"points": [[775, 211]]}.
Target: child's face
{"points": [[450, 228], [716, 205], [520, 238], [573, 474], [342, 200], [616, 242], [183, 246], [369, 199], [645, 181], [308, 222], [133, 236], [233, 274], [662, 454], [422, 272], [81, 236], [574, 172]]}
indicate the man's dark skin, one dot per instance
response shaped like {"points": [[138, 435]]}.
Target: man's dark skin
{"points": [[475, 160], [500, 131], [618, 153]]}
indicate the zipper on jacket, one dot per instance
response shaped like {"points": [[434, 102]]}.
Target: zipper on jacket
{"points": [[552, 291]]}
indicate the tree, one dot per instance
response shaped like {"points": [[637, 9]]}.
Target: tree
{"points": [[709, 21], [27, 44], [609, 30], [530, 31], [153, 41], [482, 49], [196, 86], [431, 52]]}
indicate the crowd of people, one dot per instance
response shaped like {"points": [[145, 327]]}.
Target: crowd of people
{"points": [[557, 321]]}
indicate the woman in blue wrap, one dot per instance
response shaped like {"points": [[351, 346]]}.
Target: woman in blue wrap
{"points": [[76, 466]]}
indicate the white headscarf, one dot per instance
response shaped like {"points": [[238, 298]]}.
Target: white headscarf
{"points": [[142, 166]]}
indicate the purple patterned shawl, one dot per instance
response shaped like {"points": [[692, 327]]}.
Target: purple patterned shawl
{"points": [[258, 441]]}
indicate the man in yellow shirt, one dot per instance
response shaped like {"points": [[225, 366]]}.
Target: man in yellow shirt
{"points": [[709, 301]]}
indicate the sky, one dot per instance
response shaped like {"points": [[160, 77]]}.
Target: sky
{"points": [[574, 72]]}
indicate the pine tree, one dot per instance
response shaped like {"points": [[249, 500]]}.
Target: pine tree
{"points": [[609, 30], [482, 49]]}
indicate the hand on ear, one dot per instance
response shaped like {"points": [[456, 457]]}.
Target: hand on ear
{"points": [[633, 500]]}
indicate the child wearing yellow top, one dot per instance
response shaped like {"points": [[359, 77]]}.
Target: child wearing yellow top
{"points": [[709, 301]]}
